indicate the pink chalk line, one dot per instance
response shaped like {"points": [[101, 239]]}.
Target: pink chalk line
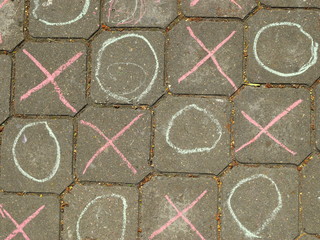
{"points": [[210, 55], [110, 143], [51, 79], [195, 2], [270, 124], [1, 38], [3, 3], [180, 214], [19, 227]]}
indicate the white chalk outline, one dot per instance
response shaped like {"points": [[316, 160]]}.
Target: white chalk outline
{"points": [[194, 150], [113, 40], [246, 231], [57, 164], [81, 15], [124, 217], [124, 20], [314, 50]]}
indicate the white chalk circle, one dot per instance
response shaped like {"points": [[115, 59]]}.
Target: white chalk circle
{"points": [[193, 150], [81, 15], [129, 17], [57, 163], [97, 69], [124, 213], [272, 216], [314, 50]]}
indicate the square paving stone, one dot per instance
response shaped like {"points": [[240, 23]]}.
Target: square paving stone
{"points": [[260, 203], [272, 125], [128, 67], [11, 27], [292, 3], [164, 198], [36, 155], [50, 78], [94, 212], [60, 18], [113, 145], [5, 79], [283, 46], [311, 196], [192, 135], [191, 67], [37, 216], [139, 13], [217, 8]]}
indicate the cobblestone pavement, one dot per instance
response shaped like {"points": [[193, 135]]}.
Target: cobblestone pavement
{"points": [[159, 119]]}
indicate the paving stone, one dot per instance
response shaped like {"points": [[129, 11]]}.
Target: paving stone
{"points": [[5, 78], [221, 74], [217, 8], [143, 13], [128, 67], [260, 202], [285, 115], [292, 3], [311, 196], [35, 90], [94, 212], [125, 157], [36, 155], [163, 198], [11, 27], [37, 216], [283, 46], [59, 18]]}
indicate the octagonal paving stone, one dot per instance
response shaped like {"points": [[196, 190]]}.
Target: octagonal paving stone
{"points": [[59, 18], [128, 67], [217, 8], [192, 135], [284, 114], [292, 3], [50, 78], [113, 145], [5, 79], [11, 27], [283, 46], [36, 155], [139, 13], [190, 67], [94, 212], [261, 203]]}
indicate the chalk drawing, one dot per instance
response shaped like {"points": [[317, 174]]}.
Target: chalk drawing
{"points": [[1, 41], [193, 150], [210, 55], [124, 213], [81, 15], [314, 50], [97, 69], [180, 215], [3, 3], [270, 124], [19, 227], [272, 216], [57, 162], [47, 3], [195, 2]]}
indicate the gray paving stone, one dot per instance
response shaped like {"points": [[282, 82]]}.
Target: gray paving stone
{"points": [[33, 95], [217, 8], [287, 140], [311, 196], [139, 13], [128, 67], [292, 3], [11, 27], [43, 155], [283, 46], [195, 197], [5, 78], [39, 217], [260, 202], [125, 159], [185, 52], [94, 212], [192, 135], [59, 18]]}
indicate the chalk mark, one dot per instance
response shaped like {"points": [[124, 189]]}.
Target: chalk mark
{"points": [[195, 2], [3, 3]]}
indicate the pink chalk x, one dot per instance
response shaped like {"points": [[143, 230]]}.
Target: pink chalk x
{"points": [[195, 2]]}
